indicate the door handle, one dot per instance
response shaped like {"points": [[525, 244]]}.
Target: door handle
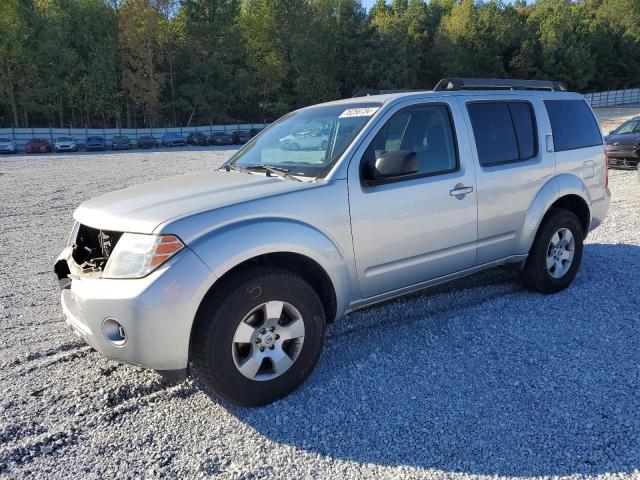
{"points": [[460, 190]]}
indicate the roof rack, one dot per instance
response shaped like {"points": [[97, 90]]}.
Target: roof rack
{"points": [[452, 84], [375, 91]]}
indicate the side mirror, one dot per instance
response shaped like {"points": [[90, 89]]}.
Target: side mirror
{"points": [[611, 132], [392, 165]]}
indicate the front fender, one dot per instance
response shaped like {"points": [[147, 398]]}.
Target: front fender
{"points": [[225, 248], [557, 187]]}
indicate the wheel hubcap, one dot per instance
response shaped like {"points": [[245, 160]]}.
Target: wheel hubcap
{"points": [[560, 253], [268, 340]]}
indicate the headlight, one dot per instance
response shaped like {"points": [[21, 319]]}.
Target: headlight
{"points": [[136, 255]]}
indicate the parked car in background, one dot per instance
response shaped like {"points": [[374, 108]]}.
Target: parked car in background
{"points": [[222, 138], [197, 138], [307, 140], [623, 144], [7, 146], [120, 142], [147, 141], [241, 136], [238, 271], [173, 140], [38, 145], [95, 143], [255, 131], [65, 144]]}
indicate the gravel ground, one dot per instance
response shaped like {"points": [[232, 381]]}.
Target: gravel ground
{"points": [[478, 378]]}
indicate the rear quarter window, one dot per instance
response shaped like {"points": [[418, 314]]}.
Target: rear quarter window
{"points": [[573, 125]]}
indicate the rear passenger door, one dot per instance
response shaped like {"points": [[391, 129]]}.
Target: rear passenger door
{"points": [[512, 164], [422, 226]]}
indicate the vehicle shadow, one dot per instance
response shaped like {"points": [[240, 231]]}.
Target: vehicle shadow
{"points": [[481, 377]]}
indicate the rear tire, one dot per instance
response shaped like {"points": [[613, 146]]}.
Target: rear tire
{"points": [[233, 331], [556, 253]]}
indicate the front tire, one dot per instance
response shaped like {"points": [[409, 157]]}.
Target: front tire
{"points": [[258, 337], [556, 253]]}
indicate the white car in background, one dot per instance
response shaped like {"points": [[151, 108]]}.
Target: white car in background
{"points": [[307, 140], [65, 144], [7, 146]]}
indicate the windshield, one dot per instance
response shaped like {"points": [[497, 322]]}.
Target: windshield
{"points": [[5, 140], [94, 139], [307, 142], [65, 139], [632, 126]]}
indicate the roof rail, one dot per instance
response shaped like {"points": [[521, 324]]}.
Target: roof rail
{"points": [[375, 91], [452, 84]]}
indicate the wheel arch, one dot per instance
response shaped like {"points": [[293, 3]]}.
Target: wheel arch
{"points": [[282, 243], [562, 191]]}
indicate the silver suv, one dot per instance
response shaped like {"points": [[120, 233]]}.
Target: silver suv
{"points": [[239, 270]]}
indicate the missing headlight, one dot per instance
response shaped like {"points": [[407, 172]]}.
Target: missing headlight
{"points": [[92, 248]]}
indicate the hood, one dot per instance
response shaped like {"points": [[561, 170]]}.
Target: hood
{"points": [[141, 208], [625, 139]]}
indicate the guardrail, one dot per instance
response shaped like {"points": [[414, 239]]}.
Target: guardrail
{"points": [[22, 135]]}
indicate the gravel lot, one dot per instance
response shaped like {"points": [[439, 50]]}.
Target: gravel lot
{"points": [[478, 378]]}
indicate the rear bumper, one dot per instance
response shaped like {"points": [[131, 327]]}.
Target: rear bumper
{"points": [[599, 210], [155, 312]]}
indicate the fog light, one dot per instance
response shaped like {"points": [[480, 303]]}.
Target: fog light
{"points": [[114, 332]]}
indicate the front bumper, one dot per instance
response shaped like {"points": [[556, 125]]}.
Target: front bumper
{"points": [[65, 148], [156, 312], [5, 149], [632, 152], [599, 210], [628, 157]]}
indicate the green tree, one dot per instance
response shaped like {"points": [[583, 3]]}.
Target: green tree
{"points": [[141, 44], [16, 71]]}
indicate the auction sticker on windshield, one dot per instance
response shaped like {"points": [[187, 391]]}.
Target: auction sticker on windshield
{"points": [[359, 112]]}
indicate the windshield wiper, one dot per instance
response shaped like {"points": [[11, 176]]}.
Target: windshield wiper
{"points": [[271, 170]]}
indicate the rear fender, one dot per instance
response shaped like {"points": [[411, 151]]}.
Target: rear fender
{"points": [[557, 187]]}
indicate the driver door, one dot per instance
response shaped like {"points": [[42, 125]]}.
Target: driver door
{"points": [[418, 227]]}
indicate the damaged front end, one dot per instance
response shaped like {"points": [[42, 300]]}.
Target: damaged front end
{"points": [[86, 255]]}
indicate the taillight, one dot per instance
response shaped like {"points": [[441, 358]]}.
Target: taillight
{"points": [[606, 169]]}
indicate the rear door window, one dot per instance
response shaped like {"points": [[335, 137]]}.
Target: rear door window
{"points": [[573, 125], [504, 131]]}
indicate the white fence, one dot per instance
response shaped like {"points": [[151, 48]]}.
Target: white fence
{"points": [[613, 97], [22, 135]]}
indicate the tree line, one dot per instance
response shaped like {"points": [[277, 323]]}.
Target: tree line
{"points": [[157, 63]]}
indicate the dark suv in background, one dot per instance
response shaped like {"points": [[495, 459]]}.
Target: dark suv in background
{"points": [[623, 144], [147, 141], [120, 142], [197, 138], [222, 138]]}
